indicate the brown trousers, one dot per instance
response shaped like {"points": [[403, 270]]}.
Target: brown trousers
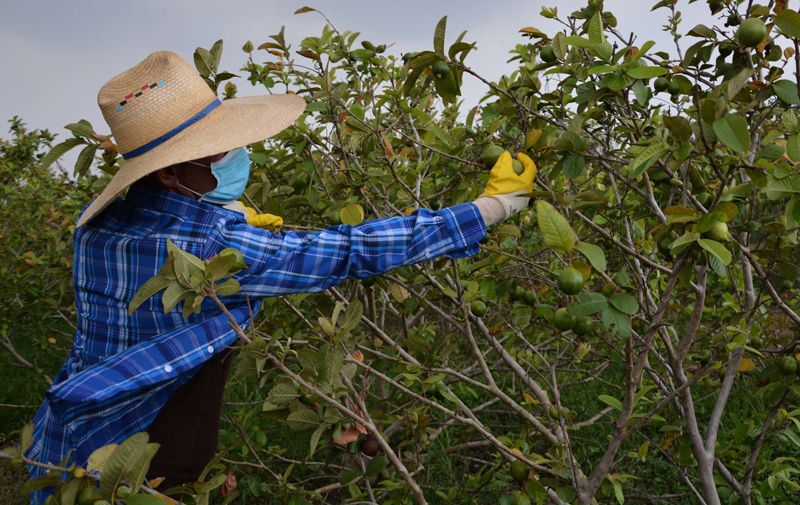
{"points": [[187, 427]]}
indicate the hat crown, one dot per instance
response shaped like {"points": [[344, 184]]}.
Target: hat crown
{"points": [[152, 98]]}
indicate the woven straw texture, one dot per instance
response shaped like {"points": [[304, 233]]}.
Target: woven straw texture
{"points": [[179, 94]]}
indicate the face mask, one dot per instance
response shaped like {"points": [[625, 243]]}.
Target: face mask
{"points": [[231, 173]]}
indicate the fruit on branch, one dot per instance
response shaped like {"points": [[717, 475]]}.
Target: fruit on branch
{"points": [[719, 232], [490, 154], [369, 447], [530, 297], [89, 495], [547, 53], [478, 308], [440, 69], [673, 87], [661, 84], [563, 320], [583, 325], [751, 32], [788, 365], [570, 281], [123, 492], [519, 471], [518, 168], [517, 293]]}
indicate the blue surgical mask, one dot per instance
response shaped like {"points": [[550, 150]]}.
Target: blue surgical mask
{"points": [[231, 172]]}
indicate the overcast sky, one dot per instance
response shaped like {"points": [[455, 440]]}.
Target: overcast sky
{"points": [[55, 55]]}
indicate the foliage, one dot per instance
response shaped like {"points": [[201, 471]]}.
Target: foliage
{"points": [[680, 209]]}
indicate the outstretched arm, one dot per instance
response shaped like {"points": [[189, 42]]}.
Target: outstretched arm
{"points": [[298, 262]]}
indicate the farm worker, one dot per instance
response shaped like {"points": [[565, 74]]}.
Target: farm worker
{"points": [[186, 166]]}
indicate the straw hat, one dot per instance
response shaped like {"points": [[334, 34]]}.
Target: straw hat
{"points": [[161, 112]]}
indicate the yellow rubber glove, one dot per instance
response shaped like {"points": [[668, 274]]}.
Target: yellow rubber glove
{"points": [[268, 221], [503, 180]]}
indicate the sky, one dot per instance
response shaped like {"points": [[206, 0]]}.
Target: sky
{"points": [[56, 55]]}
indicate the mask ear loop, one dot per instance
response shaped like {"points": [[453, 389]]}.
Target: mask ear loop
{"points": [[190, 190]]}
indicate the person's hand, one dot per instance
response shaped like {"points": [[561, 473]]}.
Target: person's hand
{"points": [[506, 192], [504, 181], [268, 221]]}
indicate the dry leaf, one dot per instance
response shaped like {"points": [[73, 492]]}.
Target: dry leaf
{"points": [[746, 365]]}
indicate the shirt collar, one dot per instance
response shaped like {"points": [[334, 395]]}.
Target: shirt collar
{"points": [[149, 197]]}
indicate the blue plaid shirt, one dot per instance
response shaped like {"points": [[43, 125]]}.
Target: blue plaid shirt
{"points": [[123, 368]]}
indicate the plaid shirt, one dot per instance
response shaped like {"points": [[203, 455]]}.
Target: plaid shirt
{"points": [[123, 368]]}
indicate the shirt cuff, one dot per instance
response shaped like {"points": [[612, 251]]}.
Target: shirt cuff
{"points": [[468, 228]]}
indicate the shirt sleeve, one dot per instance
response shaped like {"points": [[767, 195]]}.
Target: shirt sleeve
{"points": [[301, 262]]}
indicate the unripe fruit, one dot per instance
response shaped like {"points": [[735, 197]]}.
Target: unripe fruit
{"points": [[751, 32], [570, 281], [491, 153], [519, 470], [719, 232], [478, 308], [123, 492], [788, 365], [89, 495], [673, 87], [530, 297], [517, 293], [563, 320], [660, 84], [521, 499], [547, 53], [518, 167], [440, 69], [583, 325]]}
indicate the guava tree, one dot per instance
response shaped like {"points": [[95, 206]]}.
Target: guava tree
{"points": [[633, 335]]}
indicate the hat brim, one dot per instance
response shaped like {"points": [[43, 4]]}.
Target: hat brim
{"points": [[237, 122]]}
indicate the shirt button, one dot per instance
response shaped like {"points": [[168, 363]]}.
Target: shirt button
{"points": [[167, 368], [210, 349]]}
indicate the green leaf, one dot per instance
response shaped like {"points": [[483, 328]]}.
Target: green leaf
{"points": [[554, 228], [438, 36], [679, 126], [793, 147], [702, 31], [137, 472], [625, 303], [786, 90], [789, 184], [314, 441], [579, 42], [84, 161], [220, 266], [351, 214], [81, 128], [121, 461], [645, 72], [303, 419], [733, 132], [645, 158], [596, 29], [375, 466], [593, 253], [283, 392], [610, 401], [311, 361], [615, 82], [789, 23], [717, 249], [229, 287], [172, 295], [349, 476], [59, 150], [152, 286], [588, 303]]}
